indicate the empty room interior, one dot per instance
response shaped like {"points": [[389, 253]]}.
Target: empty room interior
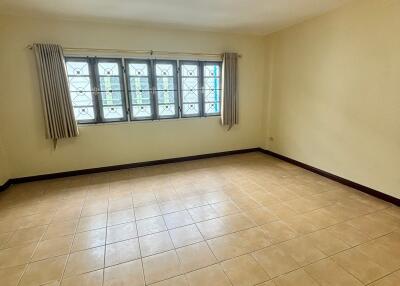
{"points": [[200, 143]]}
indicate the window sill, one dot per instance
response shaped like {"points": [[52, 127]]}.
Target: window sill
{"points": [[148, 121]]}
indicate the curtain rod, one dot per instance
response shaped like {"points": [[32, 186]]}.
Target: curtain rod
{"points": [[151, 52]]}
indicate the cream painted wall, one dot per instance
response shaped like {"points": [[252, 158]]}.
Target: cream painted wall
{"points": [[334, 93], [4, 168], [103, 145]]}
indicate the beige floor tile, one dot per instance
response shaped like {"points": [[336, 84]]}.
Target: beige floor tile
{"points": [[176, 281], [126, 274], [382, 254], [161, 266], [213, 228], [26, 235], [57, 229], [372, 226], [44, 271], [4, 237], [244, 271], [89, 239], [171, 206], [278, 231], [94, 278], [123, 251], [186, 235], [85, 261], [120, 204], [261, 216], [203, 213], [348, 234], [150, 225], [155, 243], [122, 216], [295, 278], [275, 261], [302, 250], [358, 264], [147, 211], [300, 224], [195, 256], [10, 276], [178, 219], [326, 241], [53, 247], [121, 232], [92, 222], [16, 255], [225, 208], [268, 283], [241, 204], [210, 276], [327, 272], [390, 280]]}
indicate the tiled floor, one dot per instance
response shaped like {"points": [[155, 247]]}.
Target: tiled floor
{"points": [[238, 220]]}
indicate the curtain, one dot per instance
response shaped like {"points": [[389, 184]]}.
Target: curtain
{"points": [[229, 107], [57, 106]]}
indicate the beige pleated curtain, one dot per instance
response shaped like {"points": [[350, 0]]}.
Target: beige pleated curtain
{"points": [[229, 106], [57, 106]]}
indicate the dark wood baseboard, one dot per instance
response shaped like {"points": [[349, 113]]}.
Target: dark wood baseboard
{"points": [[335, 178], [5, 185], [121, 167], [323, 173]]}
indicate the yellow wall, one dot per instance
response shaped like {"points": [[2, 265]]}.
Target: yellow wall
{"points": [[111, 144], [334, 93], [4, 169]]}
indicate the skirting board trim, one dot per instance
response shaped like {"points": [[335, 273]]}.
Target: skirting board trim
{"points": [[323, 173], [121, 167], [346, 182]]}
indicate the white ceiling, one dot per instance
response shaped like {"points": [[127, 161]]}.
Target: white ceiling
{"points": [[244, 16]]}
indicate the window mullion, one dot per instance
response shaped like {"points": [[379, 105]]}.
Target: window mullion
{"points": [[126, 95], [153, 89], [96, 87], [201, 82]]}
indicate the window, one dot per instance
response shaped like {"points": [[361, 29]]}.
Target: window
{"points": [[212, 88], [139, 89], [166, 89], [113, 90], [190, 88], [96, 89]]}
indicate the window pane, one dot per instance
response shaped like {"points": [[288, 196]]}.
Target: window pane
{"points": [[139, 83], [77, 68], [111, 98], [166, 109], [212, 95], [140, 97], [166, 89], [212, 107], [113, 112], [190, 89], [80, 89], [211, 70], [140, 90], [189, 70], [138, 69], [212, 88], [142, 111], [190, 108], [164, 69], [165, 83], [84, 113], [111, 92], [108, 68]]}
